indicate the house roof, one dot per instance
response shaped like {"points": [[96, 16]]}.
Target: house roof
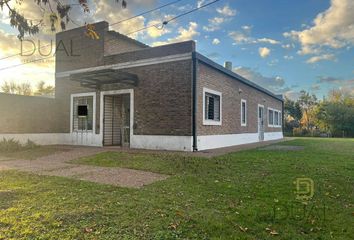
{"points": [[235, 76]]}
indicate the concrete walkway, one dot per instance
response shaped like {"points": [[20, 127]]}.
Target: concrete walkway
{"points": [[56, 165]]}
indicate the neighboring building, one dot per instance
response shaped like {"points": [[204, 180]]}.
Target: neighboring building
{"points": [[118, 91]]}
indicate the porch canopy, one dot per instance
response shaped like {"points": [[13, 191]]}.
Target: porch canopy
{"points": [[95, 79]]}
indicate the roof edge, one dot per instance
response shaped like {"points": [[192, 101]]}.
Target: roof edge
{"points": [[236, 76]]}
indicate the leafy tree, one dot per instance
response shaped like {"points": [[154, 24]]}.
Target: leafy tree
{"points": [[27, 90], [292, 114], [58, 12], [9, 87], [337, 114], [20, 89], [307, 103], [43, 90]]}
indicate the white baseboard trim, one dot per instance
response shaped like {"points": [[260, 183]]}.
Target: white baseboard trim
{"points": [[228, 140], [273, 136], [173, 143], [152, 142]]}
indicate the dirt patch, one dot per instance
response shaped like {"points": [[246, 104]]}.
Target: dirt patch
{"points": [[57, 165], [282, 148]]}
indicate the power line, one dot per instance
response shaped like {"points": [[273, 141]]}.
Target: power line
{"points": [[141, 14], [144, 28], [119, 22]]}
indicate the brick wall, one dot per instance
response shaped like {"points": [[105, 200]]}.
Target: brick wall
{"points": [[76, 50], [115, 43], [162, 99], [231, 103]]}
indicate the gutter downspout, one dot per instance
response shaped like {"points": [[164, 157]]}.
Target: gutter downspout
{"points": [[195, 103]]}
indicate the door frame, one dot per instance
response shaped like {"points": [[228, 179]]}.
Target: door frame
{"points": [[258, 123], [117, 92]]}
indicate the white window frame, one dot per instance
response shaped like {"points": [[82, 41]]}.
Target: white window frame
{"points": [[89, 94], [279, 118], [270, 109], [245, 123], [207, 122]]}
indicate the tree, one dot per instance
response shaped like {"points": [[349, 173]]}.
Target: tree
{"points": [[58, 12], [337, 113], [27, 90], [43, 90], [20, 89], [292, 114], [307, 103], [9, 87]]}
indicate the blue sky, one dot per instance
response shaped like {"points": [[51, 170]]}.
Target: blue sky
{"points": [[285, 46], [270, 20]]}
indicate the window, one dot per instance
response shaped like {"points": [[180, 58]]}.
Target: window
{"points": [[83, 113], [274, 118], [212, 107], [270, 117], [243, 112]]}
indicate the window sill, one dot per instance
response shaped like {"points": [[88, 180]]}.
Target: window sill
{"points": [[274, 126], [79, 131], [211, 123]]}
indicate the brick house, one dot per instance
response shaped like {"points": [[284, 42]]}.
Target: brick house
{"points": [[118, 91]]}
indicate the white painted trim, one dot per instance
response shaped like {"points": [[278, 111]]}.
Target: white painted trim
{"points": [[228, 140], [157, 142], [173, 143], [138, 63], [89, 94], [117, 92], [244, 124], [207, 122], [273, 136]]}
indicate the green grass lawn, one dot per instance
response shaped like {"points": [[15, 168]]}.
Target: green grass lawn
{"points": [[244, 195]]}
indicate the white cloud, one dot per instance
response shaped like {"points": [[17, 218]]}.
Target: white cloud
{"points": [[246, 27], [226, 11], [158, 31], [333, 28], [267, 40], [184, 35], [344, 84], [321, 58], [275, 83], [216, 41], [288, 46], [287, 57], [214, 24], [264, 52], [240, 37], [292, 94], [200, 3]]}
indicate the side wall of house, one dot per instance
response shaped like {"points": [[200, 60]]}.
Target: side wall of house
{"points": [[28, 114], [231, 132], [162, 102]]}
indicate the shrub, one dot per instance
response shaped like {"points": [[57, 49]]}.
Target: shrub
{"points": [[12, 145]]}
